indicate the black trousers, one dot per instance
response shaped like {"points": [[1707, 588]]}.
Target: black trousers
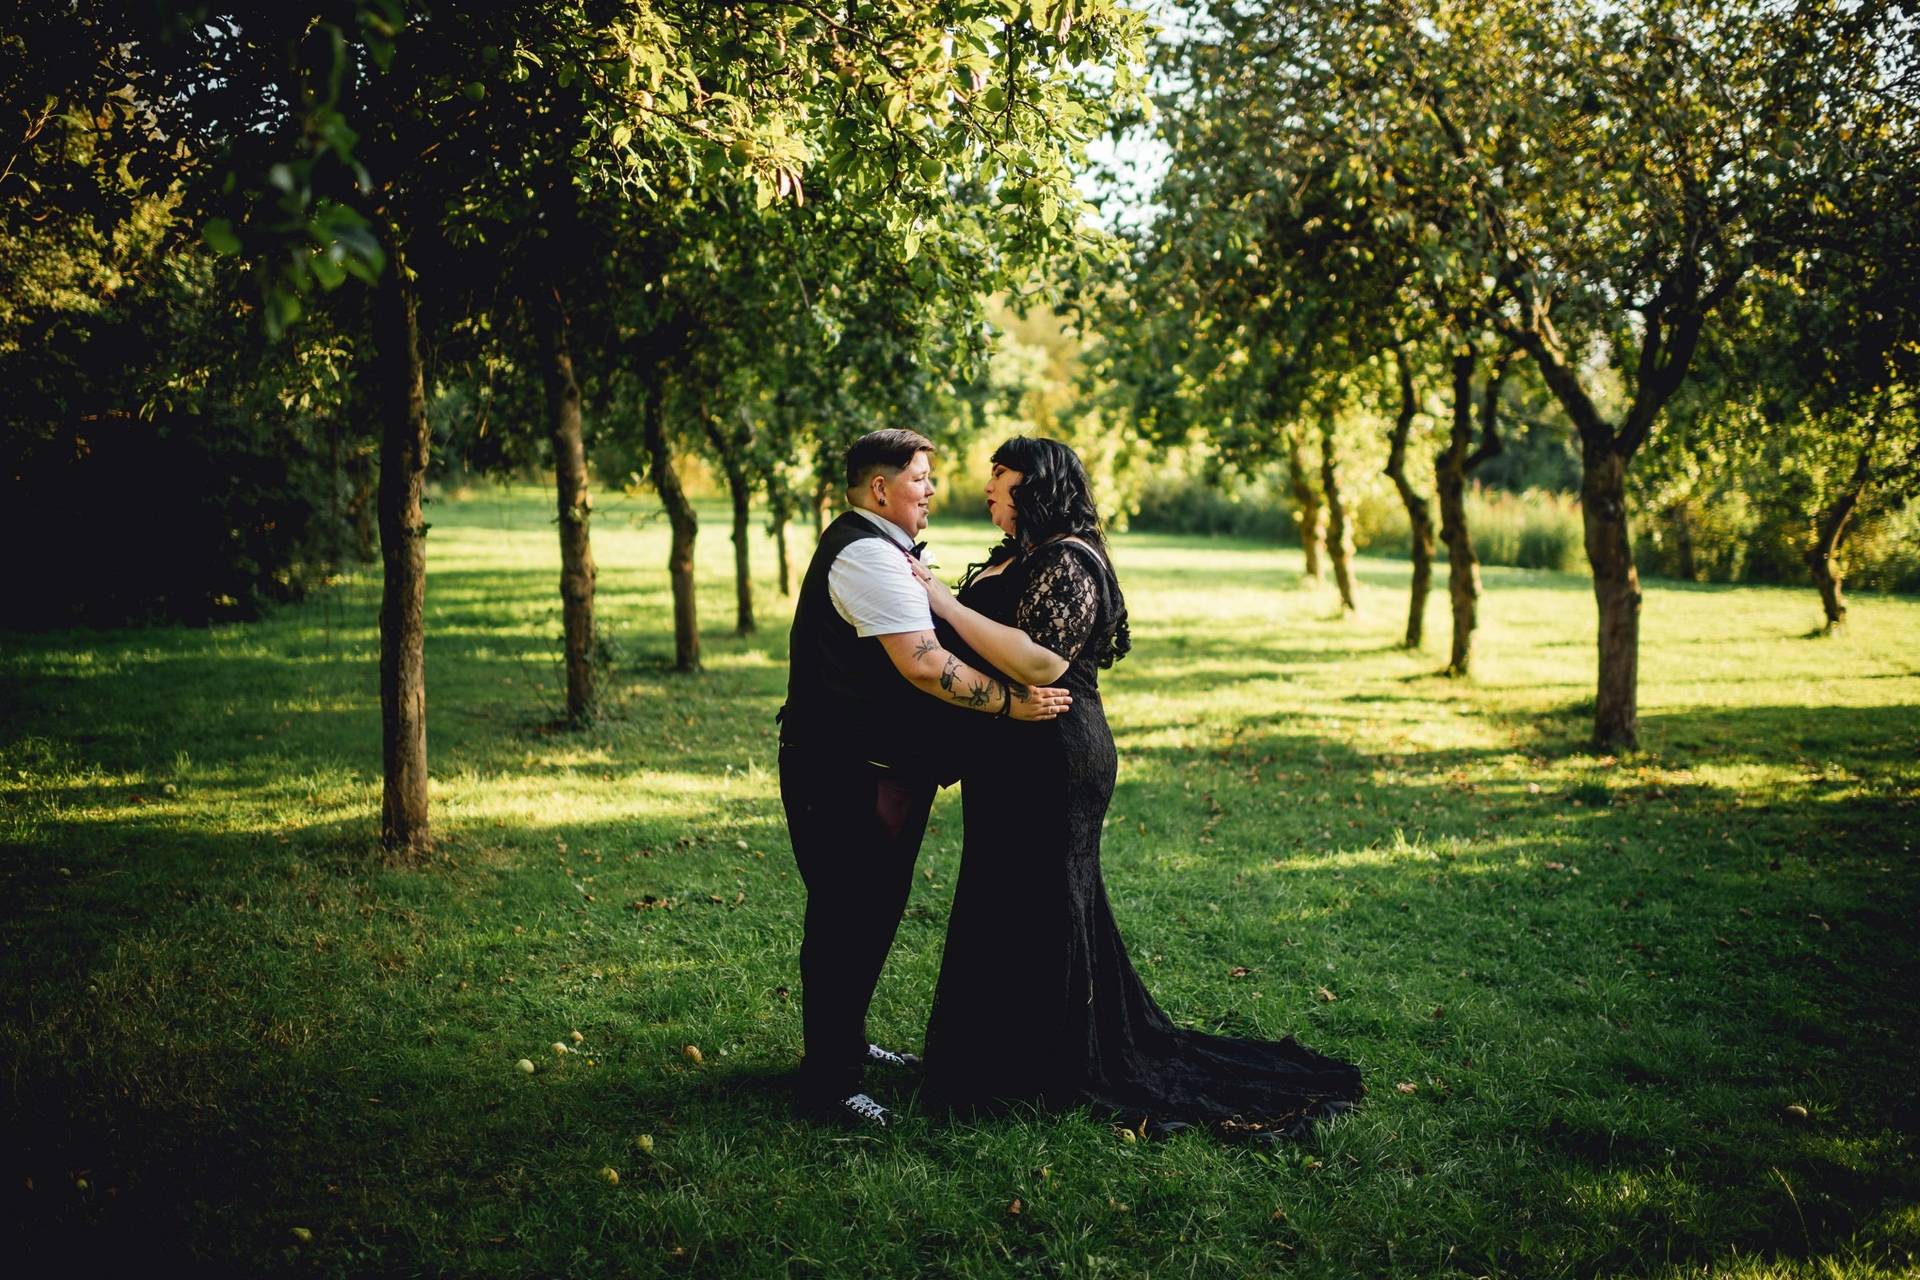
{"points": [[856, 830]]}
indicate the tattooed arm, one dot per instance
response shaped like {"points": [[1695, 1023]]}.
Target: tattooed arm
{"points": [[919, 656], [1008, 648]]}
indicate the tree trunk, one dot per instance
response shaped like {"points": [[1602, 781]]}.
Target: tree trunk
{"points": [[401, 403], [780, 549], [1339, 532], [730, 451], [1605, 451], [1824, 556], [686, 627], [1616, 590], [742, 569], [1450, 481], [1306, 505], [777, 501], [574, 501], [1419, 516]]}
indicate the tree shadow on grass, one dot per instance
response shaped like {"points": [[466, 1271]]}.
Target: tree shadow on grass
{"points": [[1788, 908], [1199, 665], [1883, 735], [269, 1132], [1886, 735], [1385, 574], [341, 1050]]}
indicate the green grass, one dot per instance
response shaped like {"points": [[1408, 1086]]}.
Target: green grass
{"points": [[1604, 981]]}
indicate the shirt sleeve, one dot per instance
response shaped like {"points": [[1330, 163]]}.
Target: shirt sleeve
{"points": [[1061, 604], [874, 590]]}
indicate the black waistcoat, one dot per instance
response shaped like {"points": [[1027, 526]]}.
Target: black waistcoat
{"points": [[844, 695]]}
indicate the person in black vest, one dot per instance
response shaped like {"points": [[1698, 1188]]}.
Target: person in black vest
{"points": [[867, 736]]}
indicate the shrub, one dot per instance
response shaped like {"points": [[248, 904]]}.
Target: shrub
{"points": [[1534, 530], [159, 456], [1733, 539], [1236, 507], [188, 517], [1884, 552]]}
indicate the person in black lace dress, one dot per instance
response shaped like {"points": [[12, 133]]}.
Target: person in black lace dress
{"points": [[1037, 1001]]}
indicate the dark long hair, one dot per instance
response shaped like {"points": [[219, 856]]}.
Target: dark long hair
{"points": [[1054, 499]]}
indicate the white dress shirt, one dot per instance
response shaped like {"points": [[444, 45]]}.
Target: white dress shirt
{"points": [[873, 587]]}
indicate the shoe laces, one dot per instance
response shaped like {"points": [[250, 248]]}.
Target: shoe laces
{"points": [[866, 1108], [876, 1054]]}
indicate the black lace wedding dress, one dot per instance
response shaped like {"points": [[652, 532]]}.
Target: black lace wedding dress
{"points": [[1037, 1001]]}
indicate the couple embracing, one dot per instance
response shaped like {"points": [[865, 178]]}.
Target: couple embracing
{"points": [[898, 686]]}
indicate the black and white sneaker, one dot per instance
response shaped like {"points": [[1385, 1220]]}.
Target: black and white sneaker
{"points": [[861, 1112], [876, 1056]]}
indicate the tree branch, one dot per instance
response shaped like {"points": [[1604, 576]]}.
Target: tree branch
{"points": [[1490, 443], [1564, 382]]}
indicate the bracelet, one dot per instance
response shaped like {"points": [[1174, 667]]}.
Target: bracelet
{"points": [[1006, 708]]}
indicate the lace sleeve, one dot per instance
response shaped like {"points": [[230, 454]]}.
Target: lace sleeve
{"points": [[1061, 604]]}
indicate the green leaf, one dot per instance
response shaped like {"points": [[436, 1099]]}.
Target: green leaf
{"points": [[328, 270], [283, 308], [220, 237]]}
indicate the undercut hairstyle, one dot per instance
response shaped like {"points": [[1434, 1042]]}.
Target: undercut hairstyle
{"points": [[891, 450]]}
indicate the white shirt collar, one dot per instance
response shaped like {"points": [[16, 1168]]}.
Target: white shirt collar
{"points": [[887, 526]]}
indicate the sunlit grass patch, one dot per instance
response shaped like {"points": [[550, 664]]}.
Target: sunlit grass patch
{"points": [[1605, 982]]}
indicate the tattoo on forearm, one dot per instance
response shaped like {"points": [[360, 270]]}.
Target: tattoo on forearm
{"points": [[1018, 690], [926, 646], [963, 684]]}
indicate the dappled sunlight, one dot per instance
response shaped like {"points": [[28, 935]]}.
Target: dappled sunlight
{"points": [[540, 803], [321, 703], [1572, 960], [655, 968], [411, 399], [755, 659], [1463, 858]]}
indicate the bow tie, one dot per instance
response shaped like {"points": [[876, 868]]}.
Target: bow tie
{"points": [[917, 550]]}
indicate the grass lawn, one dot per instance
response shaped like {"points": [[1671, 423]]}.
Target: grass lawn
{"points": [[1648, 1016]]}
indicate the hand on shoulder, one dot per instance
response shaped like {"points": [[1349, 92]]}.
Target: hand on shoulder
{"points": [[939, 597]]}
